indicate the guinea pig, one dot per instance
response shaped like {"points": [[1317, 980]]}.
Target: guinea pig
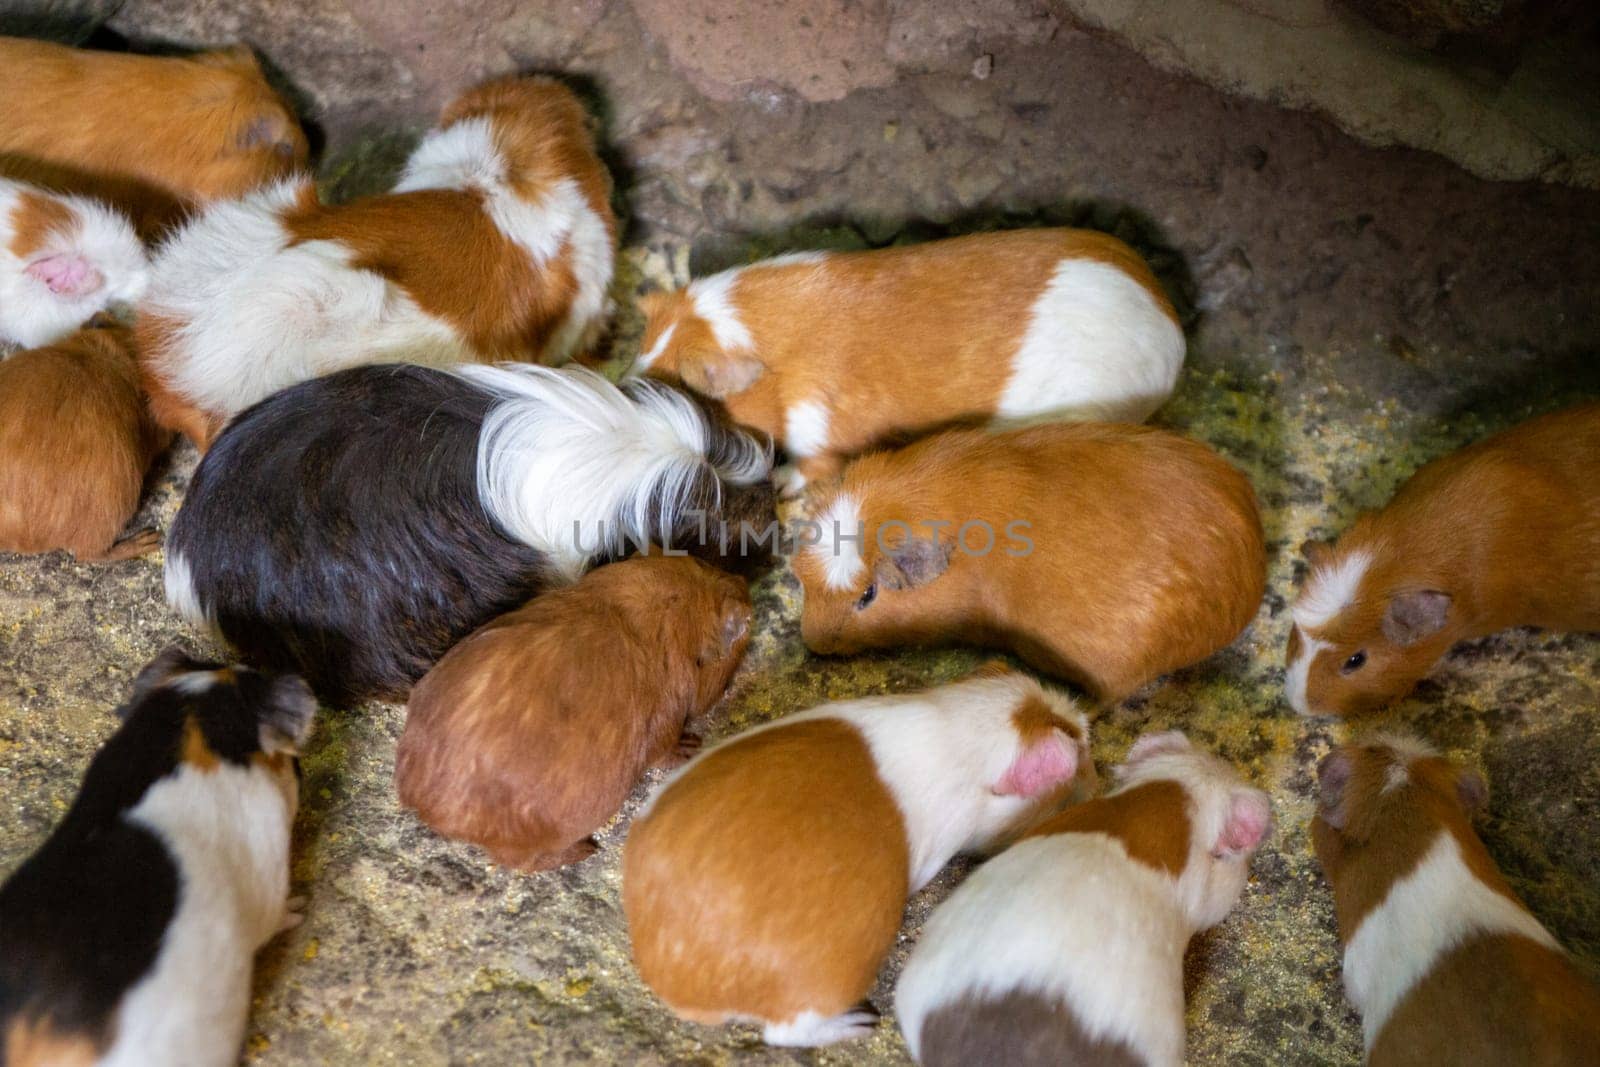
{"points": [[76, 441], [1104, 554], [528, 735], [62, 259], [766, 881], [832, 353], [127, 938], [149, 134], [1441, 959], [1068, 946], [1505, 532], [354, 527], [497, 243]]}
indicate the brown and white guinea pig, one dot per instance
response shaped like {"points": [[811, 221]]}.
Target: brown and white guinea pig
{"points": [[1068, 947], [149, 134], [528, 735], [127, 939], [1441, 959], [833, 353], [498, 243], [766, 881], [62, 259], [1102, 553], [1505, 532], [76, 441]]}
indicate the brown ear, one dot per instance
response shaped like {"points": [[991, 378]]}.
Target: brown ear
{"points": [[1413, 617], [915, 562], [1316, 553], [1333, 778], [652, 304], [1471, 791], [173, 660], [735, 627], [718, 374], [286, 725]]}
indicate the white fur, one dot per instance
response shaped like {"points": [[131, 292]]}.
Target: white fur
{"points": [[839, 550], [1097, 346], [805, 430], [713, 301], [227, 830], [182, 597], [811, 1030], [1329, 590], [570, 465], [1069, 917], [30, 314], [1436, 908], [655, 352], [1299, 672]]}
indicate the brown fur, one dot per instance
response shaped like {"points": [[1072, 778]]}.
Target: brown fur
{"points": [[36, 1043], [1147, 556], [35, 218], [1496, 998], [1508, 527], [900, 340], [782, 944], [529, 734], [1016, 1029], [76, 440], [1151, 821], [149, 134]]}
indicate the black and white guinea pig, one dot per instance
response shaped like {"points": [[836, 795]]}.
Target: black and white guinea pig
{"points": [[354, 527], [127, 938]]}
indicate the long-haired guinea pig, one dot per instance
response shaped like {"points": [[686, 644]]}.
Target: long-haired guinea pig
{"points": [[127, 939], [62, 259], [148, 134], [528, 735], [1441, 959], [832, 353], [1505, 532], [352, 528], [76, 441], [498, 243], [1068, 947], [767, 880], [1104, 554]]}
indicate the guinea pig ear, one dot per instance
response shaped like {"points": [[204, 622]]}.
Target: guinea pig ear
{"points": [[652, 304], [1415, 616], [718, 374], [1333, 778], [1160, 744], [1045, 763], [1316, 553], [1472, 792], [171, 662], [1249, 816], [914, 562], [734, 628], [66, 274], [291, 711]]}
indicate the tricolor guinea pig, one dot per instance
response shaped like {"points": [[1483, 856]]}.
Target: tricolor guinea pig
{"points": [[832, 353], [127, 939], [1505, 532], [767, 880], [529, 734], [62, 259], [1441, 959], [497, 243], [354, 527], [1106, 554], [76, 441], [1068, 947], [149, 134]]}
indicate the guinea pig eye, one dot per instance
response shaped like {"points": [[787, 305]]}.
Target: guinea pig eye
{"points": [[868, 597], [1354, 663]]}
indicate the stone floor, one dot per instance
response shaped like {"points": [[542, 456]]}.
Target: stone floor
{"points": [[1352, 313]]}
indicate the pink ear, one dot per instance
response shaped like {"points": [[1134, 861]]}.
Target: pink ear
{"points": [[66, 274], [1041, 767], [1157, 744], [1248, 819]]}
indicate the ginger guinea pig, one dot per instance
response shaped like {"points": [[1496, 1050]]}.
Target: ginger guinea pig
{"points": [[766, 881], [127, 938], [76, 441], [62, 259], [1068, 946], [1104, 554], [833, 353], [1505, 532], [150, 134], [498, 243], [529, 734], [1441, 959]]}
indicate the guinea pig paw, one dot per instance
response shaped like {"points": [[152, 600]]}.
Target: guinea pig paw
{"points": [[293, 914], [810, 1030]]}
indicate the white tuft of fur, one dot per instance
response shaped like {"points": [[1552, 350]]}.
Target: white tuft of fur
{"points": [[571, 465], [30, 313], [655, 351], [460, 156], [227, 830], [839, 549], [712, 299], [182, 596], [811, 1030], [1436, 908], [1330, 589], [805, 428], [1298, 675], [1097, 346]]}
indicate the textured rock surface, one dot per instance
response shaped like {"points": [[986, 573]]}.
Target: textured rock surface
{"points": [[1353, 312]]}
